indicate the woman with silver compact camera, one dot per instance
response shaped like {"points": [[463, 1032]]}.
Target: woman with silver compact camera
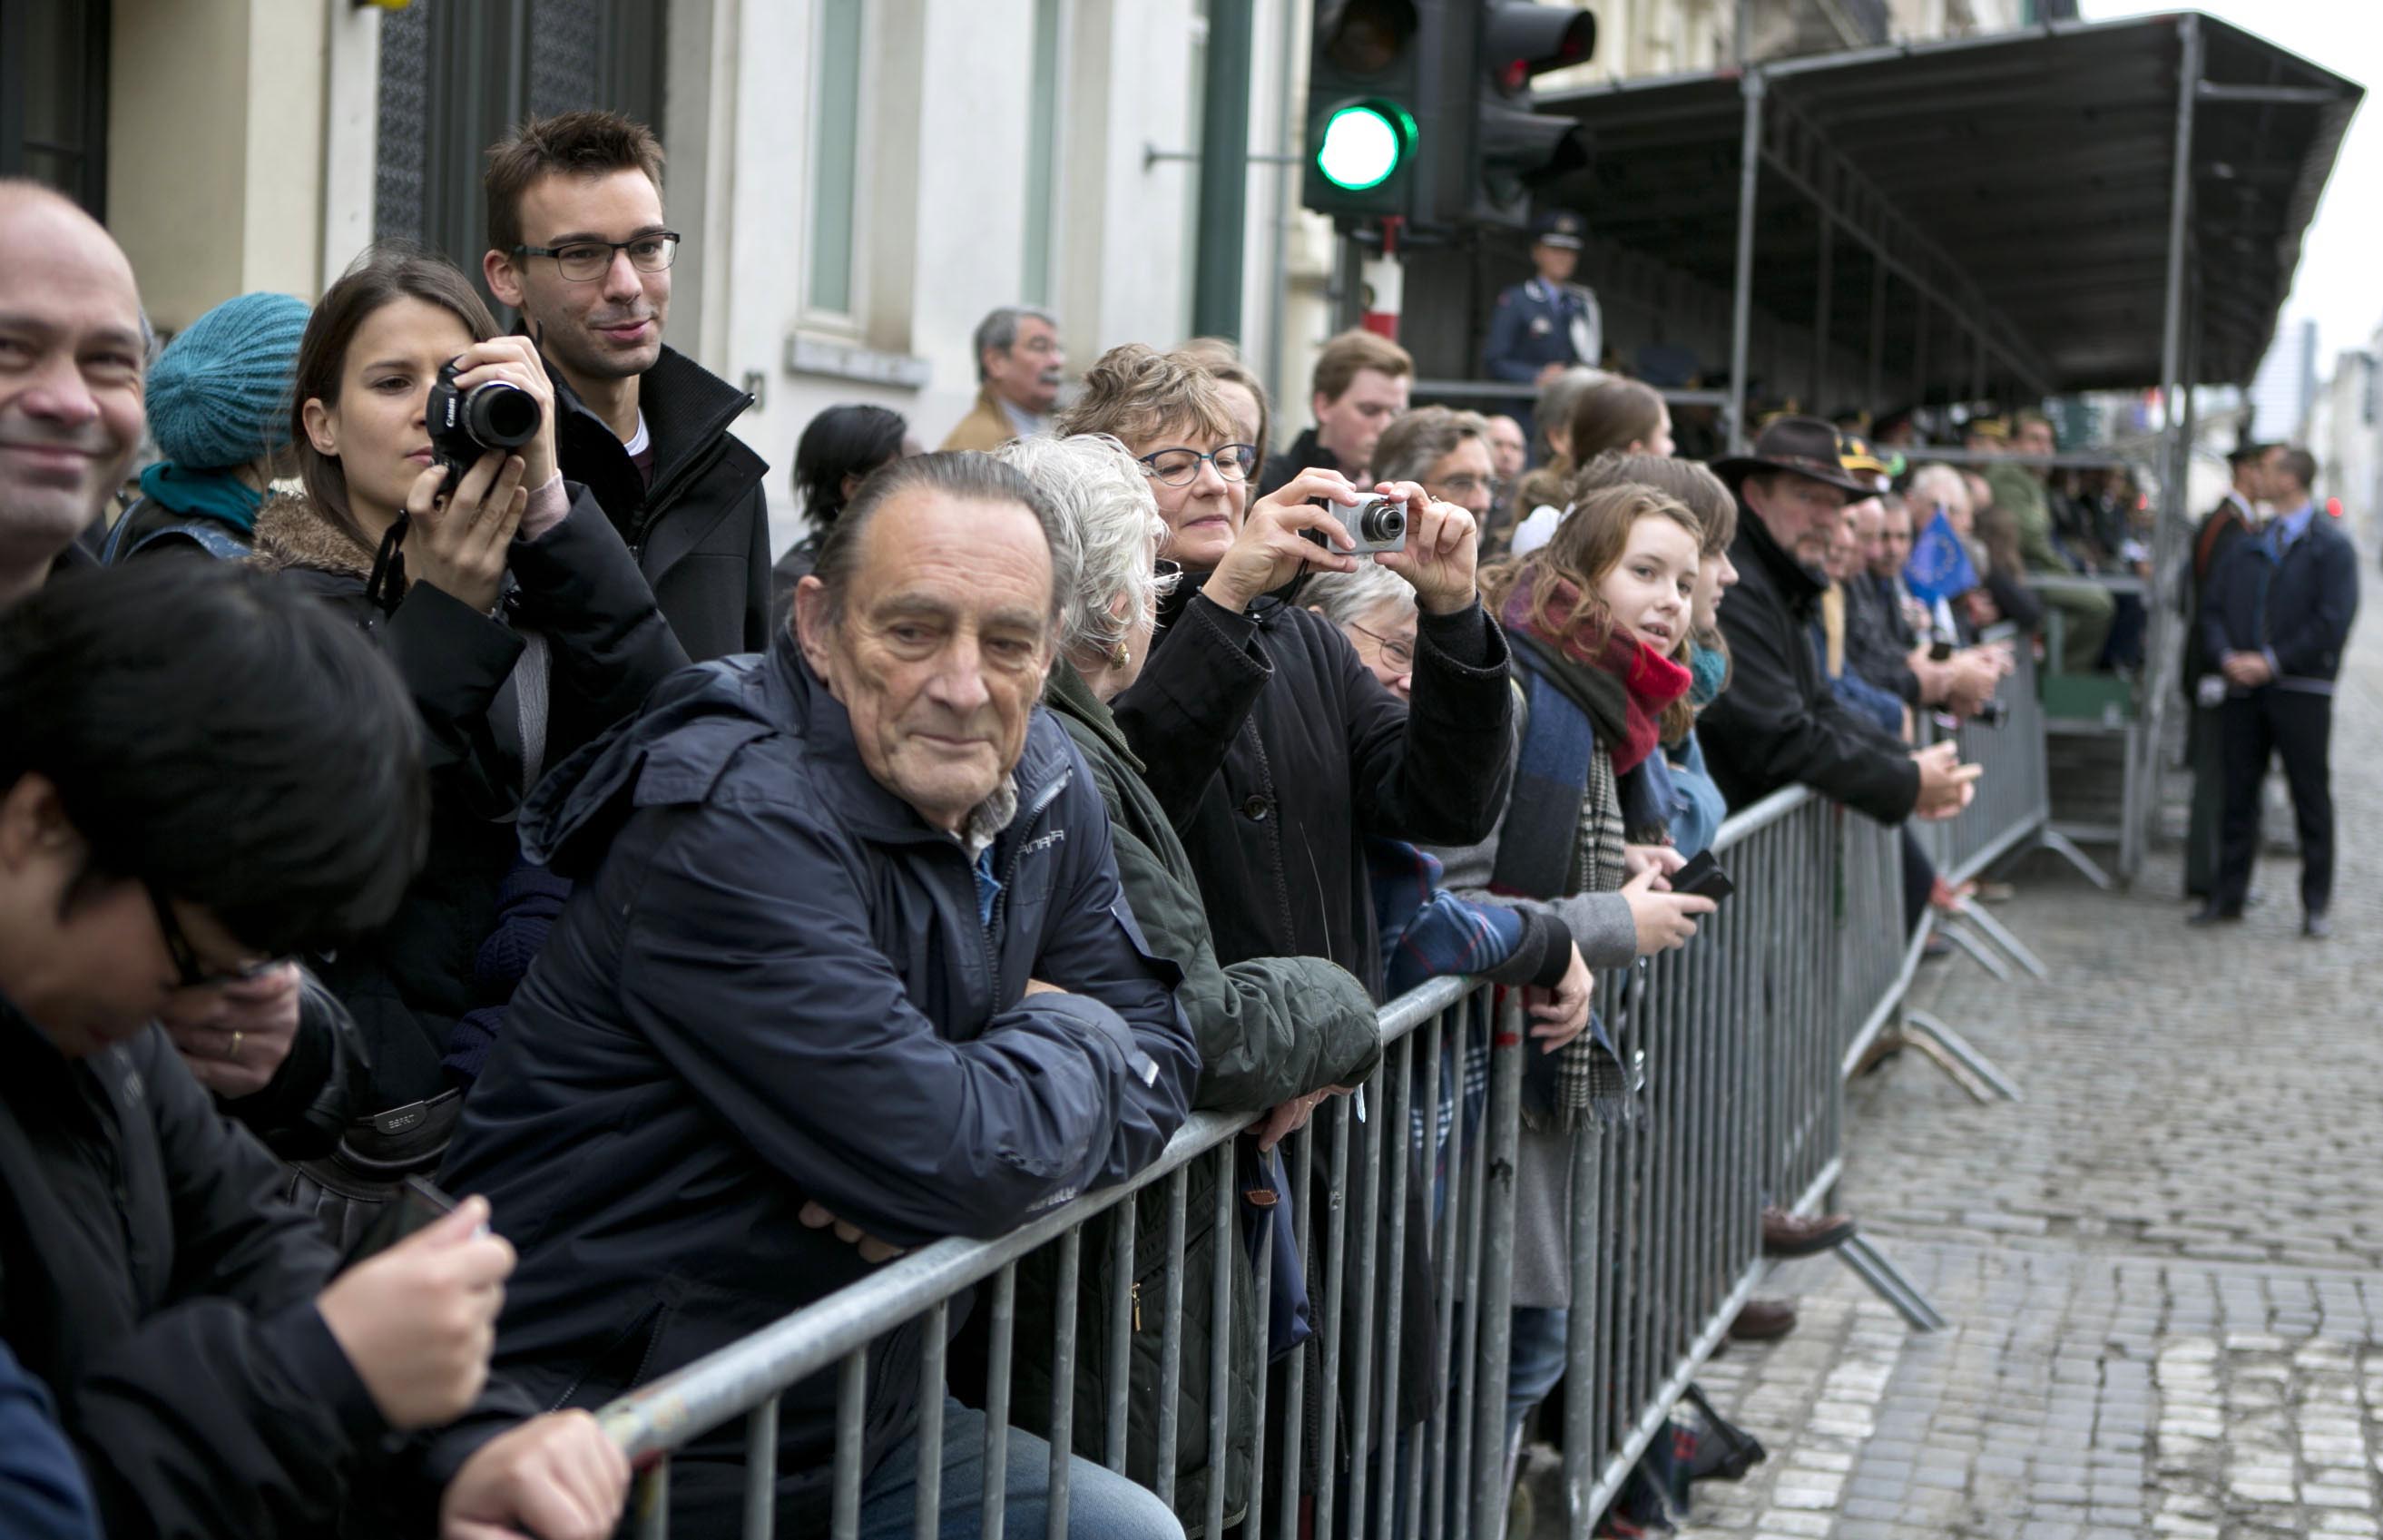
{"points": [[505, 599], [1270, 745]]}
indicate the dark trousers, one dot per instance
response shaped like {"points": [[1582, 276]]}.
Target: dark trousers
{"points": [[2258, 726], [1919, 880], [2206, 751]]}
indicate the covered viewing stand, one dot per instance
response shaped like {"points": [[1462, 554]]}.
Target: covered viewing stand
{"points": [[1985, 222]]}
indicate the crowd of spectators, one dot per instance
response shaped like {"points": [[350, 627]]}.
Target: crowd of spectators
{"points": [[390, 815]]}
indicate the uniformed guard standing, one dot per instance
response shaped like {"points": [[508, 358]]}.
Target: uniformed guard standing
{"points": [[1546, 325]]}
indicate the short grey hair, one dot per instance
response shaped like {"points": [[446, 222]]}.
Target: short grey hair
{"points": [[1343, 597], [1105, 532], [963, 473], [1935, 483], [998, 332], [1417, 440]]}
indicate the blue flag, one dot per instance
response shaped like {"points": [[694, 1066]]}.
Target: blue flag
{"points": [[1940, 565]]}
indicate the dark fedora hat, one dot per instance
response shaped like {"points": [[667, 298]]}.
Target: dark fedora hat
{"points": [[1800, 446]]}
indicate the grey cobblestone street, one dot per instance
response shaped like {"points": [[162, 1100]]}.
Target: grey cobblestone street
{"points": [[2163, 1271]]}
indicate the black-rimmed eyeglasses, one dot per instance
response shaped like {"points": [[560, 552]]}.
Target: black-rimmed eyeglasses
{"points": [[192, 973], [1178, 467], [586, 260]]}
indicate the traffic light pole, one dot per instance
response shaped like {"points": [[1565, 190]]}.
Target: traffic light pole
{"points": [[1224, 171], [1381, 283]]}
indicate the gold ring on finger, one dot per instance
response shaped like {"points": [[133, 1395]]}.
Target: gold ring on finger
{"points": [[234, 1055]]}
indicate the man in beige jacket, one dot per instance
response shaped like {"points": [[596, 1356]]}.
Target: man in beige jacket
{"points": [[1019, 366]]}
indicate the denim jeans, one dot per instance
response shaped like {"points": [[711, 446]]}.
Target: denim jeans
{"points": [[1101, 1506], [1534, 1360]]}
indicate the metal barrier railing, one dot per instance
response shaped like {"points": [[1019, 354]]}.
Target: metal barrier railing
{"points": [[2014, 800], [1740, 1045]]}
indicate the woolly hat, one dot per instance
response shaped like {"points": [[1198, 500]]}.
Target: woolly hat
{"points": [[220, 395]]}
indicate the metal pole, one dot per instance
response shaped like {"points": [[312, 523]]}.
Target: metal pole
{"points": [[1872, 384], [2180, 200], [1741, 327], [1223, 170], [1822, 304]]}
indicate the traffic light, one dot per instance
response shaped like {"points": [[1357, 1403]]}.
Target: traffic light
{"points": [[1514, 148], [1365, 76], [1421, 109]]}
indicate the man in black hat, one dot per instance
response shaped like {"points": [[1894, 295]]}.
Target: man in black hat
{"points": [[1779, 723], [1547, 324]]}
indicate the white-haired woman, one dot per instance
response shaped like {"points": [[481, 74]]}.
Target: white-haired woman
{"points": [[1274, 1032]]}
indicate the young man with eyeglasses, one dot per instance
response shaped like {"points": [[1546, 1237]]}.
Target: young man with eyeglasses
{"points": [[578, 245]]}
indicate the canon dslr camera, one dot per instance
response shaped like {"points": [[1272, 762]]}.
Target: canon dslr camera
{"points": [[465, 425], [1375, 523]]}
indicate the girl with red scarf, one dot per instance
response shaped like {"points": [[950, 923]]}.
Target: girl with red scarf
{"points": [[1600, 621]]}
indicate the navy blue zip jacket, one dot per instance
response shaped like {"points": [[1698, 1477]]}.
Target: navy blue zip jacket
{"points": [[775, 983], [2298, 613]]}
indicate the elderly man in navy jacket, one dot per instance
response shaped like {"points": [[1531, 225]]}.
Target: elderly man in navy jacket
{"points": [[848, 969], [2275, 621]]}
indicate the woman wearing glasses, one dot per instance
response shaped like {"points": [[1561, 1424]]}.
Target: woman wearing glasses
{"points": [[506, 601], [1269, 743]]}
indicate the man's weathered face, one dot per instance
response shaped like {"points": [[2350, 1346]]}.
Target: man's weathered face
{"points": [[1030, 371], [2033, 437], [1352, 424], [597, 328], [1893, 541], [1800, 513], [70, 372], [941, 646]]}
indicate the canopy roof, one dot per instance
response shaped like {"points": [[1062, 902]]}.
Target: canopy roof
{"points": [[2023, 179]]}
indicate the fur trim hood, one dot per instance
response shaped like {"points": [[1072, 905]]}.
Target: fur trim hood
{"points": [[292, 531]]}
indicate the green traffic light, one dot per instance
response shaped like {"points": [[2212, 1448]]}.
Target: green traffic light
{"points": [[1362, 146]]}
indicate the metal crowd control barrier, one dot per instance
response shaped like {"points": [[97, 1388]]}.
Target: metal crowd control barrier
{"points": [[1739, 1045]]}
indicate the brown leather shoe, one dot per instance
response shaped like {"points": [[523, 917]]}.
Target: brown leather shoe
{"points": [[1763, 1320], [1786, 1234]]}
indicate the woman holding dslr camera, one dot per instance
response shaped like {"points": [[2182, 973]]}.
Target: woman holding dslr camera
{"points": [[505, 599]]}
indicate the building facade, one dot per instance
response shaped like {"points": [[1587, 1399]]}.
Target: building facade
{"points": [[858, 181]]}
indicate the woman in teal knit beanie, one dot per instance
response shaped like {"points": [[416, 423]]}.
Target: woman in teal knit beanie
{"points": [[218, 405]]}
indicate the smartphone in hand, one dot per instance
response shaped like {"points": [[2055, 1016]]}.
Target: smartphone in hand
{"points": [[1703, 876]]}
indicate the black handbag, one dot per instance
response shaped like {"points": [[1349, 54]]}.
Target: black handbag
{"points": [[346, 1189]]}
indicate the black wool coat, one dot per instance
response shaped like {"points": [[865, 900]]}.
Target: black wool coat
{"points": [[701, 533], [1779, 723]]}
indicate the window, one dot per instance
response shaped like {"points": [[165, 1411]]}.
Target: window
{"points": [[53, 96], [1041, 152], [835, 157]]}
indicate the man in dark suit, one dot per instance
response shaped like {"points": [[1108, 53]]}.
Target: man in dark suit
{"points": [[2276, 623], [2235, 517]]}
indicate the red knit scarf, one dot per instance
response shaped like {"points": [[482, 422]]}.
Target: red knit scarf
{"points": [[1647, 681]]}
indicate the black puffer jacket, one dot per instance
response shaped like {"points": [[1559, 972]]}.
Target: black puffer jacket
{"points": [[150, 1275], [606, 646], [1779, 723], [1276, 751], [701, 532]]}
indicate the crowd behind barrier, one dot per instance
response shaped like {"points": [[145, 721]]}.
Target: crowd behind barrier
{"points": [[1737, 1048]]}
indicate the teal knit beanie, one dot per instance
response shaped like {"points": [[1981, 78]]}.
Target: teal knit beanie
{"points": [[219, 396]]}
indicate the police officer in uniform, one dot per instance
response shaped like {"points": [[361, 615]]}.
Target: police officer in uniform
{"points": [[1547, 324]]}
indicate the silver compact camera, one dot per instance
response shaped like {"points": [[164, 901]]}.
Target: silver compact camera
{"points": [[1375, 523]]}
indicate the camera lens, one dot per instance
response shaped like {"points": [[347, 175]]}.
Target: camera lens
{"points": [[1383, 521], [500, 417]]}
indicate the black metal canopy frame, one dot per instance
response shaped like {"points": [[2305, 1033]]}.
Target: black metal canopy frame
{"points": [[2072, 206]]}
